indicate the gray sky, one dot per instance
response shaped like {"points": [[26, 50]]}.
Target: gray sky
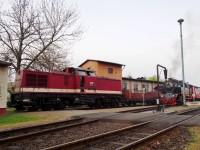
{"points": [[140, 34]]}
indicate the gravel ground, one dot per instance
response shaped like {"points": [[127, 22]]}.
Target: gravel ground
{"points": [[22, 131], [113, 141], [173, 140], [38, 142], [52, 116]]}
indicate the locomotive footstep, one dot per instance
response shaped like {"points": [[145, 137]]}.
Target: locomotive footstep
{"points": [[14, 148]]}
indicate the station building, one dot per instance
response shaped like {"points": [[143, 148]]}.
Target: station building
{"points": [[3, 86], [103, 68]]}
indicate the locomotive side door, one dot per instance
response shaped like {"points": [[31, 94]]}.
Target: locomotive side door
{"points": [[82, 83]]}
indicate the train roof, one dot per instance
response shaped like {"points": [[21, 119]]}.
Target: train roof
{"points": [[140, 80], [60, 72], [79, 69], [180, 82]]}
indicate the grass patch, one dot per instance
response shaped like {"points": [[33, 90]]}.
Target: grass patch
{"points": [[194, 143], [14, 118]]}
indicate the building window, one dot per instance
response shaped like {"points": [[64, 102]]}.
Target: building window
{"points": [[125, 86], [110, 70], [135, 87], [147, 88]]}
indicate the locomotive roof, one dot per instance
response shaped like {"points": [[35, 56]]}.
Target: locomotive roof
{"points": [[81, 69], [4, 64], [101, 61]]}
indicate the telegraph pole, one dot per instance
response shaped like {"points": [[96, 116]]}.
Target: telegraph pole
{"points": [[180, 21]]}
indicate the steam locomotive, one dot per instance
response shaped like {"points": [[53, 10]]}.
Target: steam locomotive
{"points": [[171, 92]]}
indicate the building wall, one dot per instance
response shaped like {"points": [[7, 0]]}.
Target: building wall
{"points": [[3, 88], [102, 69]]}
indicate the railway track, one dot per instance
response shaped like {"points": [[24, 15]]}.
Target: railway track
{"points": [[23, 132], [128, 137], [138, 110], [35, 135], [48, 137]]}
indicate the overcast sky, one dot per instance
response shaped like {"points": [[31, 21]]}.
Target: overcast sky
{"points": [[140, 34]]}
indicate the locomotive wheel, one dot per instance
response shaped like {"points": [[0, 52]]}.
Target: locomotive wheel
{"points": [[59, 106], [32, 109], [98, 103], [19, 108], [46, 108]]}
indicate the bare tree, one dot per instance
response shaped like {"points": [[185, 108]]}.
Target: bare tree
{"points": [[35, 37], [51, 60]]}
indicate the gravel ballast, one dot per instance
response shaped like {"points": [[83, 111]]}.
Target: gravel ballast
{"points": [[63, 136]]}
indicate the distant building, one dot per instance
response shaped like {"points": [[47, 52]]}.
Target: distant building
{"points": [[3, 86], [104, 68]]}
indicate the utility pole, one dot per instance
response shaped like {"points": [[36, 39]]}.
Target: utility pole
{"points": [[180, 21]]}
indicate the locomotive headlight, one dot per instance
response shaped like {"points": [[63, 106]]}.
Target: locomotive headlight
{"points": [[76, 99]]}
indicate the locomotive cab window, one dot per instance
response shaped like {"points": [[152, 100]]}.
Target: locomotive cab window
{"points": [[81, 73], [110, 70], [92, 74]]}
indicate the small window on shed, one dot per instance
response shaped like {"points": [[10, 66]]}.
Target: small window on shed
{"points": [[110, 70]]}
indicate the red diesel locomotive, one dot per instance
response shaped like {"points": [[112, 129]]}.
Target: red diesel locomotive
{"points": [[46, 90]]}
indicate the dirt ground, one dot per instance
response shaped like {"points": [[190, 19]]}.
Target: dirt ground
{"points": [[176, 139], [58, 115], [52, 116]]}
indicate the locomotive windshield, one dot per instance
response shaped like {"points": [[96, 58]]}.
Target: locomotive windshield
{"points": [[81, 73], [85, 73]]}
